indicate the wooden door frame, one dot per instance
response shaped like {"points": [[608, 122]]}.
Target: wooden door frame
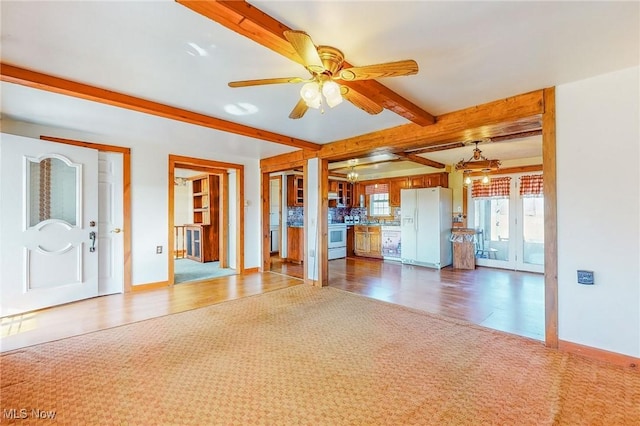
{"points": [[266, 205], [126, 197], [217, 168]]}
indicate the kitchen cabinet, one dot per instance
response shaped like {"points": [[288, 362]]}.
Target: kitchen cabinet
{"points": [[357, 190], [412, 182], [295, 244], [295, 191], [436, 179], [368, 241], [201, 243], [344, 191], [395, 185], [350, 241]]}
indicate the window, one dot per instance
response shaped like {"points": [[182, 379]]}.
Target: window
{"points": [[379, 204]]}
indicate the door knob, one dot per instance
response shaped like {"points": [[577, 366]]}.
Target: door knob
{"points": [[117, 230]]}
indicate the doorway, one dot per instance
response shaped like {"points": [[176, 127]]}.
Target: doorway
{"points": [[205, 219], [198, 214], [509, 222]]}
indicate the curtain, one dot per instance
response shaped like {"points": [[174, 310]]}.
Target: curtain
{"points": [[496, 188], [531, 186], [380, 188]]}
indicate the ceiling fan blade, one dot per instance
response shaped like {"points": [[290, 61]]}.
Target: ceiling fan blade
{"points": [[304, 46], [299, 110], [389, 69], [360, 101], [245, 83]]}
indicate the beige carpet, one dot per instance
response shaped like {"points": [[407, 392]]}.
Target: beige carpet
{"points": [[304, 355]]}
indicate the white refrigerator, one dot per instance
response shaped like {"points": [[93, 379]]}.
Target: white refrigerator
{"points": [[426, 221]]}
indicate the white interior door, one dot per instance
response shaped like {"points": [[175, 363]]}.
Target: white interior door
{"points": [[111, 218], [48, 212]]}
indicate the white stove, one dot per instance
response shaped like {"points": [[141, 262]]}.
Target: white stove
{"points": [[337, 241]]}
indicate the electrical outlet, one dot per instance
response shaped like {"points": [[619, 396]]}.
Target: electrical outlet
{"points": [[158, 249]]}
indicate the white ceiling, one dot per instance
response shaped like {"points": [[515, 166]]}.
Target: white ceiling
{"points": [[469, 53]]}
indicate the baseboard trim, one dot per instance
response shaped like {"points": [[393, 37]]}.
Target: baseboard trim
{"points": [[600, 354], [251, 270], [150, 286]]}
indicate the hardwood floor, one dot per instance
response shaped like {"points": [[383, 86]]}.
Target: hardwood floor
{"points": [[509, 301], [111, 311], [504, 300]]}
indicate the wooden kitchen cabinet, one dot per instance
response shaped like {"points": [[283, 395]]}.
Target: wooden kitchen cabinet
{"points": [[350, 241], [344, 191], [295, 244], [368, 241], [430, 180], [395, 185], [356, 190], [295, 191], [436, 179]]}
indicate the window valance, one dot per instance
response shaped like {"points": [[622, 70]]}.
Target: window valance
{"points": [[496, 188], [531, 186]]}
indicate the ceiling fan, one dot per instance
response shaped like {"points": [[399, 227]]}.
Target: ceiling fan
{"points": [[325, 64]]}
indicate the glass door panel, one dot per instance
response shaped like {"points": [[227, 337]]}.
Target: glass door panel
{"points": [[492, 229], [532, 253]]}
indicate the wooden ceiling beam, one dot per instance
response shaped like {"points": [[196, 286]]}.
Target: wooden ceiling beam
{"points": [[421, 160], [251, 22], [516, 136], [515, 114], [437, 148], [509, 170], [347, 168], [36, 80]]}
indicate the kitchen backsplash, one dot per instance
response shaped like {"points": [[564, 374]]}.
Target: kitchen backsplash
{"points": [[295, 215]]}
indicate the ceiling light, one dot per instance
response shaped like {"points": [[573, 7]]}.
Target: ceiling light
{"points": [[310, 93], [352, 176], [331, 92], [313, 91], [477, 162]]}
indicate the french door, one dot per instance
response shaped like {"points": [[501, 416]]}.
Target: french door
{"points": [[509, 229]]}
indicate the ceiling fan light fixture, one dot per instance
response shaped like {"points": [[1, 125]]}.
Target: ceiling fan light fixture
{"points": [[310, 93], [331, 92]]}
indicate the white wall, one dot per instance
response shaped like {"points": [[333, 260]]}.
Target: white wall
{"points": [[312, 195], [149, 194], [598, 159]]}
